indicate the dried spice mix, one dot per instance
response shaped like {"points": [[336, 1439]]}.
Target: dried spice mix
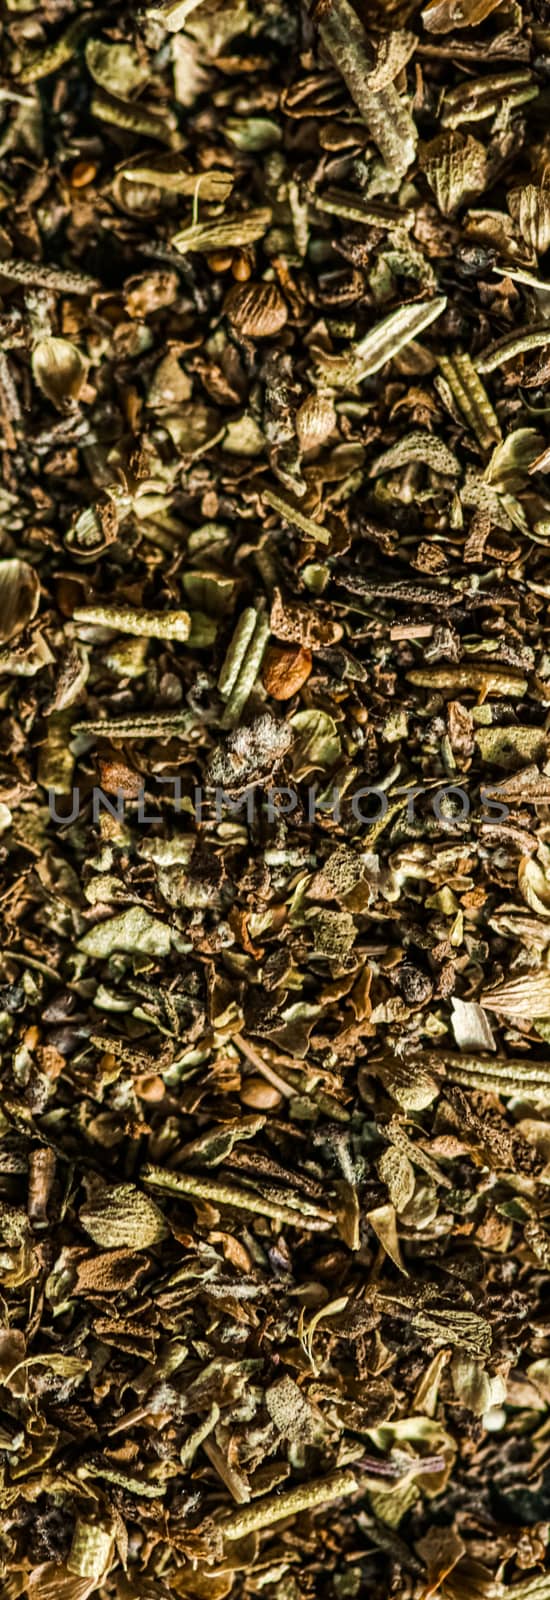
{"points": [[275, 800]]}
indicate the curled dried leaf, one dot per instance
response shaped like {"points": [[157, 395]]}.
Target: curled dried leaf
{"points": [[116, 67], [91, 1550]]}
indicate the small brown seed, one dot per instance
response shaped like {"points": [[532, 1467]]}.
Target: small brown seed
{"points": [[220, 261], [83, 173], [256, 309], [241, 268], [285, 670], [261, 1096]]}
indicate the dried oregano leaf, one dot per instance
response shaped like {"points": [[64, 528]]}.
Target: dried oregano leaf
{"points": [[422, 447], [91, 1550], [396, 1171], [530, 208], [455, 166], [523, 997], [511, 747], [122, 1216], [242, 663], [294, 1417], [135, 931], [116, 67], [512, 458], [534, 885], [52, 1580]]}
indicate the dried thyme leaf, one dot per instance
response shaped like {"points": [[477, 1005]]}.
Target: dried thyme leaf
{"points": [[147, 725], [440, 16], [171, 172], [377, 214], [490, 680], [483, 97], [134, 930], [242, 663], [382, 344]]}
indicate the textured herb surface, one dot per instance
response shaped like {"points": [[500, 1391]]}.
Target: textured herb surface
{"points": [[275, 1085]]}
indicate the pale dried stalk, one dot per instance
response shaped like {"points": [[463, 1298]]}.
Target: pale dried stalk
{"points": [[185, 1183], [32, 272], [489, 680], [142, 624], [145, 725], [471, 397], [8, 393], [197, 1437], [41, 1177], [276, 1507]]}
